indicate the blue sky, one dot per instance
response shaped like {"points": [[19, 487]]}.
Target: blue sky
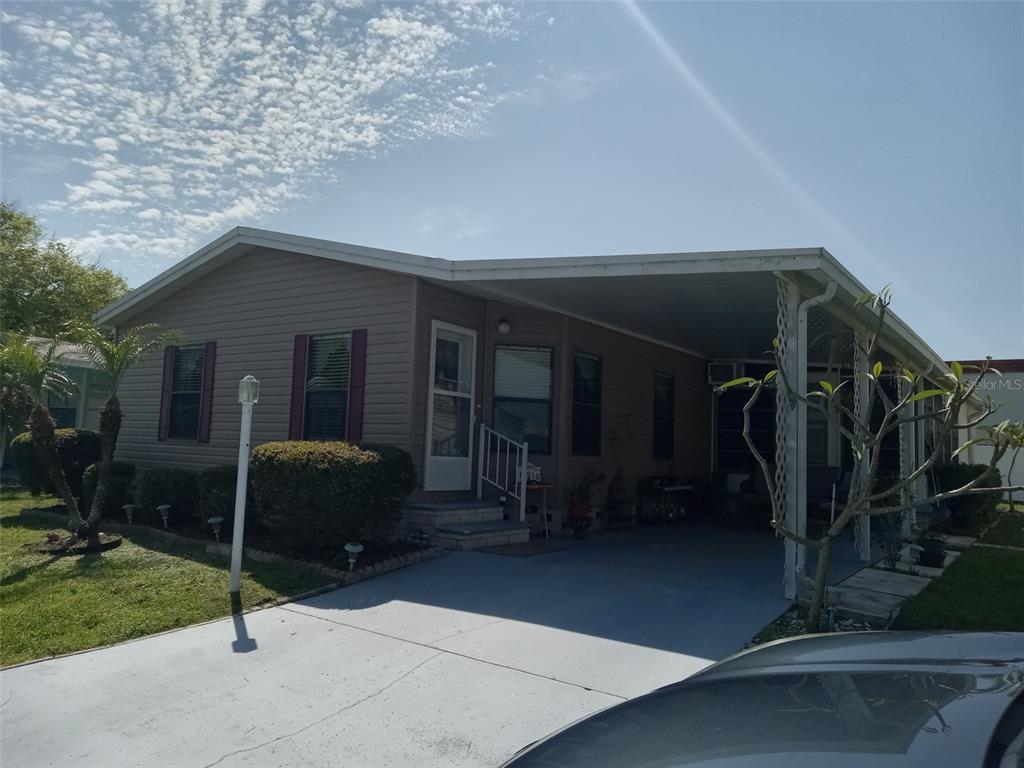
{"points": [[890, 133]]}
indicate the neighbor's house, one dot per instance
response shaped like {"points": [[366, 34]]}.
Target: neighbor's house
{"points": [[1007, 392], [89, 391], [578, 366]]}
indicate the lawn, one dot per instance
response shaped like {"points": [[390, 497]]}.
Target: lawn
{"points": [[1009, 528], [52, 605], [982, 590]]}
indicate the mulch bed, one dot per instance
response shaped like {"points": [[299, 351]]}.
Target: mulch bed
{"points": [[55, 544], [331, 556]]}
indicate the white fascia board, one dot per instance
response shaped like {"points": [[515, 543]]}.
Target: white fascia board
{"points": [[633, 265], [394, 261], [854, 288], [209, 251]]}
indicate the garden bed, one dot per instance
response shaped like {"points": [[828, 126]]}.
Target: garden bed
{"points": [[793, 623]]}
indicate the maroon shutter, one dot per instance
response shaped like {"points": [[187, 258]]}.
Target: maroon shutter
{"points": [[298, 387], [206, 398], [356, 385], [165, 392]]}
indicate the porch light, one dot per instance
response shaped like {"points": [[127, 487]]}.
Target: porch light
{"points": [[165, 511], [248, 390], [129, 512], [504, 327], [353, 550]]}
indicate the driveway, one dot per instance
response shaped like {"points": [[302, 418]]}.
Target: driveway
{"points": [[454, 662]]}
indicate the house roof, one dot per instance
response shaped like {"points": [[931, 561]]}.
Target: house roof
{"points": [[71, 355], [688, 301]]}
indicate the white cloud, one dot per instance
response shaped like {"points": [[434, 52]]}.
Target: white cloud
{"points": [[186, 119], [451, 221]]}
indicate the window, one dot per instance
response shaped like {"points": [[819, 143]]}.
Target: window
{"points": [[186, 392], [522, 395], [586, 405], [327, 385], [664, 416]]}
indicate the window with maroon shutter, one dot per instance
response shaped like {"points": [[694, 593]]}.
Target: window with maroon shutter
{"points": [[328, 377], [186, 390]]}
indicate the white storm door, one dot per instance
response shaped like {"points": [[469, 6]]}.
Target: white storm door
{"points": [[449, 459]]}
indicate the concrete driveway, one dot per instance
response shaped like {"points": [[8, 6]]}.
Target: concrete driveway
{"points": [[455, 662]]}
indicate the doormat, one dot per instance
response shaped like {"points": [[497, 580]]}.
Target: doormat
{"points": [[526, 549]]}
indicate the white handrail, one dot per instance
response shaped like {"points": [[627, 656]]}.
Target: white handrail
{"points": [[489, 463]]}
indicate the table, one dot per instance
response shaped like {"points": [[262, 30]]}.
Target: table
{"points": [[543, 508]]}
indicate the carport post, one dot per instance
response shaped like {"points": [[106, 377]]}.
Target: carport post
{"points": [[801, 419], [787, 476]]}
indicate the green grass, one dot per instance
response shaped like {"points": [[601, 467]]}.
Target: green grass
{"points": [[51, 605], [982, 590], [1009, 528]]}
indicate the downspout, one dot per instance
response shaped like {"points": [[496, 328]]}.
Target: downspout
{"points": [[801, 416]]}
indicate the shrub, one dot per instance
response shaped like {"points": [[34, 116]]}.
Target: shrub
{"points": [[215, 491], [77, 448], [173, 486], [317, 494], [120, 492], [969, 513]]}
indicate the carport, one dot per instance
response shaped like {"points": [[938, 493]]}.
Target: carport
{"points": [[727, 307]]}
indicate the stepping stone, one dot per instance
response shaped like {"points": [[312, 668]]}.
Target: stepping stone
{"points": [[887, 582], [958, 542], [878, 605]]}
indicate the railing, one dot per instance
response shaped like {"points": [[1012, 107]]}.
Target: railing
{"points": [[502, 463]]}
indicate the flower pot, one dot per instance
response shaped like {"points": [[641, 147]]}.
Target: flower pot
{"points": [[933, 553]]}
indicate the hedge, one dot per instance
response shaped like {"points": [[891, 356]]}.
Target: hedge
{"points": [[969, 513], [216, 493], [120, 492], [173, 486], [325, 494], [77, 448]]}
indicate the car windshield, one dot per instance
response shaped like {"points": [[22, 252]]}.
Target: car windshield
{"points": [[791, 720]]}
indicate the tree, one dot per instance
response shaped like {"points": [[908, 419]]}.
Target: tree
{"points": [[872, 493], [114, 357], [29, 372], [44, 284]]}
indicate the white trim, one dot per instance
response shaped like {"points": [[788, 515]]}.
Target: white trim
{"points": [[815, 264], [435, 326]]}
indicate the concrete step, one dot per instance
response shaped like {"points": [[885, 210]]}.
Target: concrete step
{"points": [[427, 516], [475, 535]]}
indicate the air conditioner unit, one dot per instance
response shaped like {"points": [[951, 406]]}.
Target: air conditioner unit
{"points": [[721, 371]]}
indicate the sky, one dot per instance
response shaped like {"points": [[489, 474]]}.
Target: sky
{"points": [[891, 133]]}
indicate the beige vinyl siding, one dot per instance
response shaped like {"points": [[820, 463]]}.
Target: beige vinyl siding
{"points": [[253, 307], [628, 367]]}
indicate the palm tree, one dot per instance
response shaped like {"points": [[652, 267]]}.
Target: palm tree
{"points": [[30, 371], [115, 357]]}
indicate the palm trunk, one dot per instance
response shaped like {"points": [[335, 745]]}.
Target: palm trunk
{"points": [[110, 426], [817, 606], [41, 425]]}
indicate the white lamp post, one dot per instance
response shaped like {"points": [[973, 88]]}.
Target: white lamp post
{"points": [[248, 394]]}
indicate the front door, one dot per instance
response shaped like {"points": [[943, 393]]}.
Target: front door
{"points": [[449, 460]]}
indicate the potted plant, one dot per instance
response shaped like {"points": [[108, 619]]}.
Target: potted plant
{"points": [[933, 548], [580, 507]]}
